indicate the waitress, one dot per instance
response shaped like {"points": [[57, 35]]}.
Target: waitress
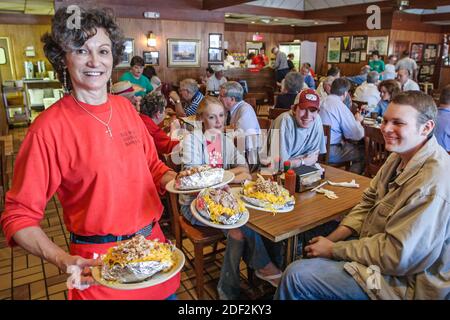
{"points": [[94, 152]]}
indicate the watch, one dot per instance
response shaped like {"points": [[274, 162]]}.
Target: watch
{"points": [[177, 101]]}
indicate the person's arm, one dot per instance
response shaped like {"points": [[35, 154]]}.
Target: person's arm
{"points": [[407, 245], [241, 174], [178, 106], [351, 125]]}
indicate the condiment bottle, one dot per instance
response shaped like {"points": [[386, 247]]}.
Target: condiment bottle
{"points": [[287, 165], [289, 181]]}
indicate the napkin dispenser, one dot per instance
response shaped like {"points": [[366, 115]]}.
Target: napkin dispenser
{"points": [[308, 177]]}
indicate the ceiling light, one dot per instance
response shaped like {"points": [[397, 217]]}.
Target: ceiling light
{"points": [[265, 20], [227, 15], [276, 19], [253, 22], [316, 22], [292, 25]]}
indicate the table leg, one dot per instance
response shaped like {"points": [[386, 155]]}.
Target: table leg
{"points": [[291, 250]]}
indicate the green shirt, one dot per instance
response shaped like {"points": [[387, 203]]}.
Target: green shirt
{"points": [[142, 82], [377, 65]]}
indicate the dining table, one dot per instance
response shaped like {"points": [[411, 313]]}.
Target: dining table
{"points": [[311, 209]]}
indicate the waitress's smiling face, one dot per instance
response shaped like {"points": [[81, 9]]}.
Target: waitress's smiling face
{"points": [[90, 65]]}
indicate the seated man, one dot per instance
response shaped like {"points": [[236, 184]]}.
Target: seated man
{"points": [[309, 80], [375, 63], [344, 126], [403, 76], [300, 131], [335, 72], [241, 118], [326, 87], [292, 84], [191, 95], [214, 82], [368, 91], [401, 239], [442, 131], [361, 77]]}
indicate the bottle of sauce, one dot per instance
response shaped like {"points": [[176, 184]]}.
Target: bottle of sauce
{"points": [[289, 181], [286, 165]]}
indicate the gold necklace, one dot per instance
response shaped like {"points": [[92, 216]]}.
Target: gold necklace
{"points": [[106, 124]]}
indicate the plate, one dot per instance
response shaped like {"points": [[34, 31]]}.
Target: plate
{"points": [[228, 176], [237, 192], [243, 220], [158, 278]]}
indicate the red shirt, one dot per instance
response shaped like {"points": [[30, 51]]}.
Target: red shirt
{"points": [[164, 144], [105, 185], [258, 61]]}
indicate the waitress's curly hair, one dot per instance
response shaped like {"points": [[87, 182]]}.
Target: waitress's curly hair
{"points": [[62, 39]]}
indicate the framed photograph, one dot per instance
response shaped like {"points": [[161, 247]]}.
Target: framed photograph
{"points": [[334, 50], [400, 47], [214, 55], [2, 56], [379, 44], [151, 57], [345, 56], [215, 40], [346, 43], [355, 57], [416, 52], [363, 56], [128, 53], [183, 53], [430, 53], [359, 43]]}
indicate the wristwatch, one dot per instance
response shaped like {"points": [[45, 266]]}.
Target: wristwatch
{"points": [[177, 101]]}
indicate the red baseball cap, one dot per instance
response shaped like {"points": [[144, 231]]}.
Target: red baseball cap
{"points": [[307, 98]]}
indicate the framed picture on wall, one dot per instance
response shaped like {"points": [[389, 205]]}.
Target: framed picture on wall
{"points": [[215, 40], [183, 53], [151, 57], [416, 52], [215, 55], [400, 47], [363, 56], [346, 43], [355, 57], [345, 56], [359, 43], [128, 53], [334, 50], [379, 44]]}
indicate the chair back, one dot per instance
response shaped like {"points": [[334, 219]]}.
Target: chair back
{"points": [[324, 158], [264, 123], [356, 105], [375, 151], [275, 112]]}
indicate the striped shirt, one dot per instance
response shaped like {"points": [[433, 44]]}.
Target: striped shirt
{"points": [[191, 108]]}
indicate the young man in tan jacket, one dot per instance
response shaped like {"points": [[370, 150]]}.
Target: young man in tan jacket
{"points": [[395, 244]]}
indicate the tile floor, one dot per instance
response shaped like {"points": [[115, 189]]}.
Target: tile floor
{"points": [[27, 277]]}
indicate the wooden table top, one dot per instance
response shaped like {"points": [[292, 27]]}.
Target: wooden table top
{"points": [[311, 209]]}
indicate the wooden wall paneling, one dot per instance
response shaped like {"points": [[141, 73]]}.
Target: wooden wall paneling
{"points": [[20, 37]]}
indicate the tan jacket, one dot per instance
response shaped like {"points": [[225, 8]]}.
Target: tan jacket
{"points": [[404, 230]]}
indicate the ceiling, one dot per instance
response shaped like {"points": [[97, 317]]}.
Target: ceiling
{"points": [[39, 7], [438, 15]]}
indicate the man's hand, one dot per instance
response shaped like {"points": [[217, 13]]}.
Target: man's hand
{"points": [[174, 96], [319, 247], [359, 117]]}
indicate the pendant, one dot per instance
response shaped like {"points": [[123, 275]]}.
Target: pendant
{"points": [[109, 131]]}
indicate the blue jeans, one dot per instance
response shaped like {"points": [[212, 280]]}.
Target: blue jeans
{"points": [[318, 279], [253, 251], [348, 152]]}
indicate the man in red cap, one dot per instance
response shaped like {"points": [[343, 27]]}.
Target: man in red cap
{"points": [[297, 135]]}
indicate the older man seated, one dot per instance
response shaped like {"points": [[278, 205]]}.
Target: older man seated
{"points": [[292, 84], [368, 90], [442, 131], [395, 243], [407, 84], [191, 96], [215, 81], [344, 126], [299, 131], [361, 77]]}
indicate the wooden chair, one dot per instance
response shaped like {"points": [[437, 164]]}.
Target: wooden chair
{"points": [[326, 158], [356, 105], [264, 123], [252, 102], [202, 89], [201, 237], [275, 112], [375, 151]]}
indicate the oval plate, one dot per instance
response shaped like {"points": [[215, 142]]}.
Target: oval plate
{"points": [[243, 220], [228, 176], [158, 278], [237, 192]]}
